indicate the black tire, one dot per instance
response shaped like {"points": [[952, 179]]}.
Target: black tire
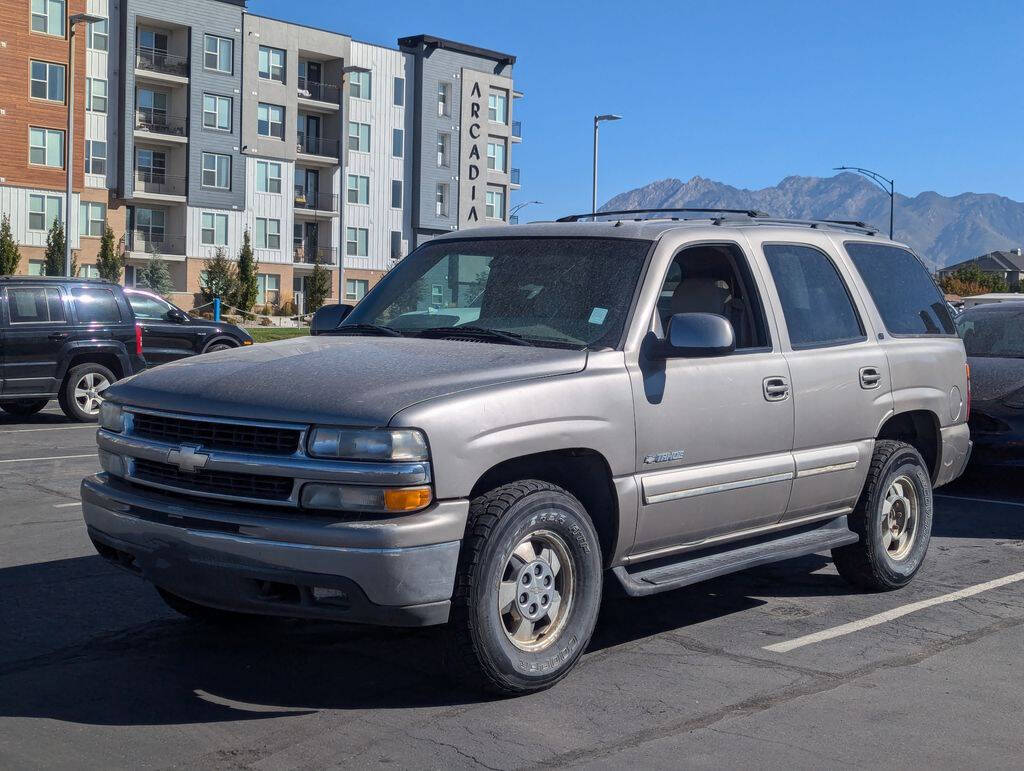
{"points": [[482, 653], [872, 563], [219, 345], [68, 401], [24, 409], [204, 613]]}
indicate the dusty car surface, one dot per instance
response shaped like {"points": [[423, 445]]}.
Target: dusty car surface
{"points": [[667, 399]]}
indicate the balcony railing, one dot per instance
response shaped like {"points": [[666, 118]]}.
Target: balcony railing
{"points": [[159, 122], [149, 181], [154, 241], [314, 201], [311, 255], [158, 60], [517, 129], [321, 92], [513, 176], [317, 146]]}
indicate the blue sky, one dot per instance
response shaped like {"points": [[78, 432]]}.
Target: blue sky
{"points": [[929, 93]]}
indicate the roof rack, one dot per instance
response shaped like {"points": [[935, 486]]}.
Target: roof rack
{"points": [[741, 212], [853, 225]]}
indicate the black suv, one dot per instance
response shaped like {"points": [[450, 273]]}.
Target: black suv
{"points": [[169, 333], [66, 339]]}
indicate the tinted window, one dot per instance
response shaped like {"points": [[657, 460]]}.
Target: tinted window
{"points": [[906, 296], [814, 298], [96, 305], [35, 305], [148, 307], [993, 333]]}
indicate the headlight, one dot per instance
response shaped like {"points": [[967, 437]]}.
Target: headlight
{"points": [[394, 500], [112, 417], [368, 444]]}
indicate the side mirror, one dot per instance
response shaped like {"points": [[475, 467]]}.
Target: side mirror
{"points": [[178, 317], [328, 318], [693, 335]]}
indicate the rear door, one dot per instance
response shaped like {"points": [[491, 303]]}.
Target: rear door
{"points": [[34, 339]]}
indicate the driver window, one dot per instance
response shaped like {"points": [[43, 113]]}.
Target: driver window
{"points": [[715, 279], [149, 308]]}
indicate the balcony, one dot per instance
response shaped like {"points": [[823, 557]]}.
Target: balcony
{"points": [[159, 61], [160, 125], [159, 185], [513, 177], [311, 255], [314, 91], [146, 242], [517, 131], [312, 201], [318, 148]]}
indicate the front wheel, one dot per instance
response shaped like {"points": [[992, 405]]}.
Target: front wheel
{"points": [[528, 588], [893, 519], [220, 346]]}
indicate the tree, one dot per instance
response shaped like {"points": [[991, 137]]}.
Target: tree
{"points": [[220, 279], [56, 244], [109, 263], [10, 257], [248, 276], [156, 275], [971, 279], [318, 288]]}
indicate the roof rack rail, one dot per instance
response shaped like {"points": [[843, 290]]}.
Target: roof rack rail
{"points": [[855, 226], [741, 212]]}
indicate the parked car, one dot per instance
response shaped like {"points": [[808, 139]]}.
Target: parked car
{"points": [[994, 337], [993, 298], [64, 338], [169, 333], [668, 400]]}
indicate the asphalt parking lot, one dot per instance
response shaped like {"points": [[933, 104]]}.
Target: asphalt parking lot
{"points": [[783, 666]]}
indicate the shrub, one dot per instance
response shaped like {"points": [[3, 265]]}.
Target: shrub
{"points": [[10, 257]]}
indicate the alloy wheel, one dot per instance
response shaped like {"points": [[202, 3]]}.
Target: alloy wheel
{"points": [[535, 596]]}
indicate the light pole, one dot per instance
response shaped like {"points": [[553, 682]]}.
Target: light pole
{"points": [[881, 182], [520, 206], [597, 121], [346, 70], [69, 151]]}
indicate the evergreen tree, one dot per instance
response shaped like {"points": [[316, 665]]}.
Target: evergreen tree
{"points": [[156, 275], [109, 263], [248, 276], [55, 246], [10, 257], [220, 279], [318, 288]]}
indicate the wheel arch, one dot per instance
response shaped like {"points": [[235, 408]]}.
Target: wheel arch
{"points": [[921, 430], [222, 338]]}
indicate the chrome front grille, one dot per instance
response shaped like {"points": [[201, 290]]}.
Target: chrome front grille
{"points": [[228, 483], [240, 437]]}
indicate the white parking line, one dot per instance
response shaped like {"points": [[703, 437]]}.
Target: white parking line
{"points": [[53, 457], [66, 505], [978, 500], [889, 615], [52, 428]]}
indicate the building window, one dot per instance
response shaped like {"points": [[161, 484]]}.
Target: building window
{"points": [[268, 289], [272, 63], [48, 17], [215, 229], [359, 137], [358, 189], [356, 288], [151, 166], [153, 108], [399, 93], [152, 42], [396, 244], [396, 194], [37, 268], [357, 242], [441, 200], [91, 271], [359, 85], [46, 147], [219, 54], [217, 112], [92, 218], [497, 107], [46, 81], [99, 35], [268, 233], [217, 171], [270, 120], [444, 99], [95, 157], [43, 210], [495, 208], [397, 143], [96, 95], [496, 155], [268, 177], [444, 143], [150, 226]]}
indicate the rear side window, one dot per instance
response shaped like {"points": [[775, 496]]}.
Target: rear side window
{"points": [[96, 306], [906, 296], [815, 300], [35, 305]]}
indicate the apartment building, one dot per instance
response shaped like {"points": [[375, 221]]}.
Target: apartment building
{"points": [[204, 122]]}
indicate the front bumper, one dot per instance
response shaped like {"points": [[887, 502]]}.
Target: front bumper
{"points": [[396, 572]]}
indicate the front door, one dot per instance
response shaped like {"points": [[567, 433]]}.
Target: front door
{"points": [[714, 435], [35, 336], [163, 339]]}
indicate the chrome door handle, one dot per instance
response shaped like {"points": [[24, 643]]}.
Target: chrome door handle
{"points": [[870, 377], [57, 335], [776, 389]]}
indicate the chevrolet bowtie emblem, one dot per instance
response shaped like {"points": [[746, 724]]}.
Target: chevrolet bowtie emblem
{"points": [[187, 459]]}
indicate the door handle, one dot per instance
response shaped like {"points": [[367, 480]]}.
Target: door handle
{"points": [[57, 335], [776, 389], [870, 377]]}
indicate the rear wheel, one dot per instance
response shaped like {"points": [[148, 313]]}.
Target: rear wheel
{"points": [[82, 392], [24, 409]]}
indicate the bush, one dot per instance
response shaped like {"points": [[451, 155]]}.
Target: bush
{"points": [[971, 280], [220, 279], [110, 264], [288, 308], [10, 257]]}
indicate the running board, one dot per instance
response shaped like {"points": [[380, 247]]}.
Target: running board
{"points": [[673, 572]]}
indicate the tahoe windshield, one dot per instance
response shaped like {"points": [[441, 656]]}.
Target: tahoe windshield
{"points": [[993, 333], [563, 292]]}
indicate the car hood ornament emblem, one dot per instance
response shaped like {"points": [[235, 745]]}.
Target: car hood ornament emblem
{"points": [[187, 459]]}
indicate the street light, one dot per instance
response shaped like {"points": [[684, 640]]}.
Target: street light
{"points": [[346, 70], [519, 206], [880, 181], [597, 120], [69, 160]]}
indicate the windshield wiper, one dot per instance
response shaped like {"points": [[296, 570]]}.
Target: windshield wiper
{"points": [[362, 329], [473, 331]]}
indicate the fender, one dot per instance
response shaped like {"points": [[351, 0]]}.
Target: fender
{"points": [[102, 347]]}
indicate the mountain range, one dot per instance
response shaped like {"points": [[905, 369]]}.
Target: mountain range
{"points": [[942, 230]]}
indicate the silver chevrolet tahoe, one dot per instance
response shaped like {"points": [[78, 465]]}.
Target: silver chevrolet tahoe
{"points": [[513, 412]]}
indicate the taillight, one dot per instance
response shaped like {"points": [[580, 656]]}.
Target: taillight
{"points": [[968, 417], [138, 339]]}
